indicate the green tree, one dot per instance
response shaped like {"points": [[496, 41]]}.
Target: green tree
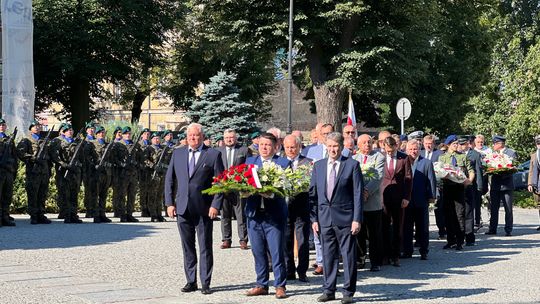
{"points": [[80, 44], [220, 107]]}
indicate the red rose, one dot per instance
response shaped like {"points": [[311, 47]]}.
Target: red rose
{"points": [[248, 174], [238, 178], [251, 182], [499, 166], [509, 165]]}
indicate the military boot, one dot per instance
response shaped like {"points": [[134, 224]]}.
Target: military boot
{"points": [[97, 219], [7, 222], [34, 220], [131, 219], [42, 219], [105, 219]]}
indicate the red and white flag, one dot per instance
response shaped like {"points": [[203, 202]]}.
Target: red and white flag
{"points": [[351, 117]]}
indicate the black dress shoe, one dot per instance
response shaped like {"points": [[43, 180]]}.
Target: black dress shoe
{"points": [[34, 220], [325, 297], [459, 247], [43, 220], [190, 287], [491, 233], [346, 300], [105, 219], [303, 278], [508, 234], [538, 229], [131, 219], [206, 290], [423, 256], [448, 246], [375, 268]]}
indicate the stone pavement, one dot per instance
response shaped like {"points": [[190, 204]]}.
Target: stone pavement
{"points": [[142, 263]]}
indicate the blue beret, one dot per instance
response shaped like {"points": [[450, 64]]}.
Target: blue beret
{"points": [[166, 132], [403, 137], [126, 130], [145, 130], [450, 139], [65, 126], [2, 121], [155, 134], [33, 123], [498, 138], [117, 129], [99, 129], [90, 125]]}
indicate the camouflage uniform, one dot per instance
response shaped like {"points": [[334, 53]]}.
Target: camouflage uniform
{"points": [[115, 181], [38, 173], [153, 155], [86, 180], [145, 176], [99, 177], [8, 171], [62, 151], [125, 185]]}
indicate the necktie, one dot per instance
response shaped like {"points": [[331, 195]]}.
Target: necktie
{"points": [[428, 156], [391, 166], [454, 161], [229, 157], [191, 165], [365, 159], [331, 181]]}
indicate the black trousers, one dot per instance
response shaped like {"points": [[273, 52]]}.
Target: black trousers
{"points": [[392, 230], [371, 231], [454, 212], [233, 205], [477, 207], [416, 217], [506, 198], [189, 225], [470, 203], [439, 214], [298, 226]]}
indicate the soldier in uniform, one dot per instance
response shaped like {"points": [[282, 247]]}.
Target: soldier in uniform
{"points": [[454, 195], [34, 152], [8, 171], [68, 173], [254, 147], [155, 161], [90, 136], [182, 141], [127, 157], [167, 139], [144, 175], [117, 137], [99, 174]]}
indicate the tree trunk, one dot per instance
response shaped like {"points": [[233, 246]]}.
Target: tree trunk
{"points": [[136, 108], [329, 104], [79, 99]]}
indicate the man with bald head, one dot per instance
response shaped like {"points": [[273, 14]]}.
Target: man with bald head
{"points": [[317, 134], [298, 221]]}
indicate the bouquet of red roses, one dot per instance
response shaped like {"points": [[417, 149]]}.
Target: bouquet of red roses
{"points": [[247, 181]]}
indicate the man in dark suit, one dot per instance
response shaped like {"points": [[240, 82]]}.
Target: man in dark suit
{"points": [[431, 153], [233, 154], [424, 191], [267, 221], [192, 169], [298, 219], [472, 191], [396, 193], [336, 199], [501, 191]]}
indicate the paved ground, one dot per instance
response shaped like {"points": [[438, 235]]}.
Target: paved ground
{"points": [[141, 263]]}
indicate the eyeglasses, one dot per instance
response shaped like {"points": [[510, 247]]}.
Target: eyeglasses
{"points": [[350, 132]]}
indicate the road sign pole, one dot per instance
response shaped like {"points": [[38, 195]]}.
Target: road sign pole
{"points": [[403, 119]]}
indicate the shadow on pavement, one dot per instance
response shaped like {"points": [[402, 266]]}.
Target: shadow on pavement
{"points": [[59, 235], [379, 293]]}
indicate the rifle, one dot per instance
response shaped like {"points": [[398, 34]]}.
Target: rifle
{"points": [[105, 153], [130, 149], [41, 149], [76, 153], [9, 146], [159, 161]]}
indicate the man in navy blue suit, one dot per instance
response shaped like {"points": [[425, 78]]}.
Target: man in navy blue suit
{"points": [[266, 222], [192, 169], [336, 199], [424, 191]]}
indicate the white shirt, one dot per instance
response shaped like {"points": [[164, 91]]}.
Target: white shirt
{"points": [[329, 168], [197, 154], [388, 157], [429, 154], [294, 161]]}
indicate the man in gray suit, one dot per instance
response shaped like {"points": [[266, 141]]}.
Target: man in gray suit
{"points": [[372, 207], [233, 154], [502, 191]]}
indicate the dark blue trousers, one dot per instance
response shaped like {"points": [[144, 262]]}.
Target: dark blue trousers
{"points": [[267, 234], [336, 240], [188, 225]]}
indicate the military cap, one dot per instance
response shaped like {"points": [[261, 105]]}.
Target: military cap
{"points": [[463, 140], [450, 139], [90, 124], [117, 129], [218, 137], [155, 134], [145, 130], [537, 139], [181, 136], [254, 135], [498, 138], [403, 137], [100, 129], [167, 132], [33, 123], [416, 135], [65, 126], [126, 130], [2, 121]]}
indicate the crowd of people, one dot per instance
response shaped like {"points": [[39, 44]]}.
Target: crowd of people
{"points": [[346, 216]]}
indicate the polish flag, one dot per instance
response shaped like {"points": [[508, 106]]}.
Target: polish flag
{"points": [[351, 117]]}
